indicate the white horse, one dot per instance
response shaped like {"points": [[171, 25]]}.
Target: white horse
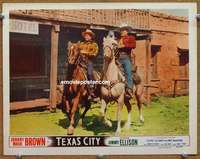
{"points": [[116, 90]]}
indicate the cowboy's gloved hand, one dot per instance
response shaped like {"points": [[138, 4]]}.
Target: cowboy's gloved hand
{"points": [[83, 52], [121, 44]]}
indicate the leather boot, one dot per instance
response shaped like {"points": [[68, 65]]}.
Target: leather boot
{"points": [[91, 92], [129, 93]]}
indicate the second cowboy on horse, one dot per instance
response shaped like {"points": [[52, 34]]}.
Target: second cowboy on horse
{"points": [[126, 45], [89, 49]]}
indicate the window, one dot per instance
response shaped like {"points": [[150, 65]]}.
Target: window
{"points": [[183, 67], [154, 60], [183, 57], [183, 62], [26, 59]]}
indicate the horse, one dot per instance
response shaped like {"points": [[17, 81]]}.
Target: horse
{"points": [[116, 90], [75, 93]]}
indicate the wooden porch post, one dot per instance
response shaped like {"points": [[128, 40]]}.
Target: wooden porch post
{"points": [[175, 85], [53, 73], [147, 68]]}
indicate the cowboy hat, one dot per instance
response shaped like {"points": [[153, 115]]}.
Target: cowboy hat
{"points": [[125, 27], [129, 29], [88, 31]]}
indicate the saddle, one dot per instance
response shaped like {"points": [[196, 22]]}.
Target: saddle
{"points": [[96, 76], [82, 62]]}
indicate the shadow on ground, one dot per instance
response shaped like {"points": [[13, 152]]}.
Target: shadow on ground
{"points": [[93, 123]]}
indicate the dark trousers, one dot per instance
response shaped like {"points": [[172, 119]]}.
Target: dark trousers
{"points": [[90, 70]]}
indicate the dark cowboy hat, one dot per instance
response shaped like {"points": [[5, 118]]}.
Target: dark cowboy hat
{"points": [[129, 29], [89, 32]]}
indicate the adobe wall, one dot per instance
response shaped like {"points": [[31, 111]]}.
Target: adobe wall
{"points": [[169, 32]]}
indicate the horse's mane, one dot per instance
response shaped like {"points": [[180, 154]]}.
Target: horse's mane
{"points": [[109, 41], [70, 44]]}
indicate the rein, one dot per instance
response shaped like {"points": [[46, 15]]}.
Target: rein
{"points": [[79, 66], [110, 50], [112, 83]]}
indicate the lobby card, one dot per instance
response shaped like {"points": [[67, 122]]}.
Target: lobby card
{"points": [[99, 78]]}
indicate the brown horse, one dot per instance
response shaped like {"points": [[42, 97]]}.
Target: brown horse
{"points": [[75, 93]]}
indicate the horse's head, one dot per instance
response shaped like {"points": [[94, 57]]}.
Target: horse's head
{"points": [[110, 46], [73, 52]]}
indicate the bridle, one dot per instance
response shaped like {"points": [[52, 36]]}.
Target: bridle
{"points": [[114, 50]]}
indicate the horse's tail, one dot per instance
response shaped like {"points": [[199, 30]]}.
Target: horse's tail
{"points": [[136, 78]]}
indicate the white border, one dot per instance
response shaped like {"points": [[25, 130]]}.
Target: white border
{"points": [[192, 149]]}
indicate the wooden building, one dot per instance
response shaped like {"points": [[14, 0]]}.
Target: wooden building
{"points": [[38, 50]]}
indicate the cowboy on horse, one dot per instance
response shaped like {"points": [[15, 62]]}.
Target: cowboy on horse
{"points": [[114, 53], [126, 45], [89, 49], [80, 57]]}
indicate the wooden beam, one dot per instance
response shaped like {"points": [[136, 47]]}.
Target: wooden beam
{"points": [[151, 86], [87, 17], [147, 68], [175, 84], [181, 79], [43, 102], [53, 73], [142, 36]]}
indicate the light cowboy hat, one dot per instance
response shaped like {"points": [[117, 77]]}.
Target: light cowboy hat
{"points": [[89, 32], [125, 27]]}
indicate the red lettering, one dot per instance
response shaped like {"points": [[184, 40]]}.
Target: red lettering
{"points": [[35, 141]]}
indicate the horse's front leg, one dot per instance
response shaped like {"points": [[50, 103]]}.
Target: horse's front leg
{"points": [[138, 95], [72, 115], [87, 106], [67, 104], [103, 113], [119, 110]]}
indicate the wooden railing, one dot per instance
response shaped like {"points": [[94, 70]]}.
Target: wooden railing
{"points": [[175, 84]]}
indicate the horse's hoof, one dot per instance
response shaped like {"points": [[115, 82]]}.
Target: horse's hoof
{"points": [[118, 131], [70, 130], [141, 119], [108, 123], [127, 126], [53, 110], [80, 123]]}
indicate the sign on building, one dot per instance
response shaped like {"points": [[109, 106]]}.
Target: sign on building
{"points": [[22, 26]]}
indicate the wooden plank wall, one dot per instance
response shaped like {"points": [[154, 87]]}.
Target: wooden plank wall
{"points": [[93, 157], [139, 18]]}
